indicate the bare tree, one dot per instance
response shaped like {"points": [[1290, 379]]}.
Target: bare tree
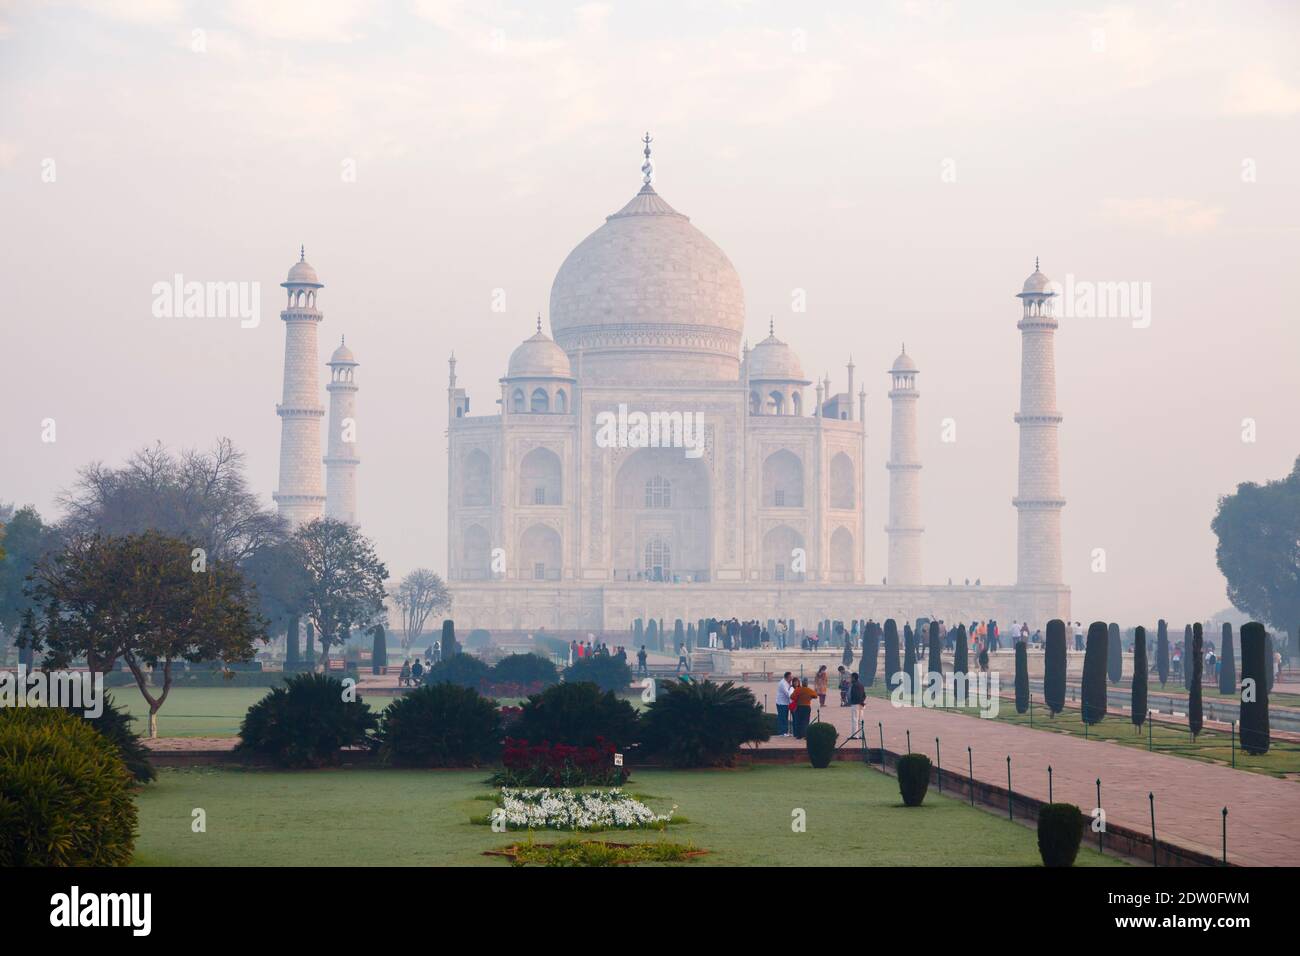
{"points": [[420, 594]]}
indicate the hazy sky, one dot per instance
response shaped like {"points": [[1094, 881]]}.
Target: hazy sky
{"points": [[903, 163]]}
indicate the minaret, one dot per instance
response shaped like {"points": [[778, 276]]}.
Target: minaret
{"points": [[904, 528], [1038, 501], [299, 496], [850, 368], [341, 461]]}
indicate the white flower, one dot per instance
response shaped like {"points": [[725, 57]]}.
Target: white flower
{"points": [[565, 809]]}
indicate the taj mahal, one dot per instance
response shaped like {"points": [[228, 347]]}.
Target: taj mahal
{"points": [[643, 462]]}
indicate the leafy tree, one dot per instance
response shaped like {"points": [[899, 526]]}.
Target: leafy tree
{"points": [[1138, 698], [419, 594], [1022, 678], [1162, 651], [1227, 662], [345, 580], [198, 496], [140, 599], [1054, 658], [1258, 529], [702, 724], [1114, 654], [1256, 664], [1196, 662], [1094, 674], [278, 574], [25, 539], [892, 667]]}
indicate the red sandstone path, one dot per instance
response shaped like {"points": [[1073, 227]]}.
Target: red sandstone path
{"points": [[1190, 795]]}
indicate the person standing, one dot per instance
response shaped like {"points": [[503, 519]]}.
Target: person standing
{"points": [[640, 662], [802, 699], [682, 660], [821, 683], [783, 706], [857, 702]]}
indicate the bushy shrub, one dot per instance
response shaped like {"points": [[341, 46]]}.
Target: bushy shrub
{"points": [[305, 723], [440, 725], [913, 778], [821, 744], [558, 765], [702, 724], [526, 670], [579, 714], [604, 670], [115, 724], [1060, 828], [463, 670], [65, 794]]}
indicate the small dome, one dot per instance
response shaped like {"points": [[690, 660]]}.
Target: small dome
{"points": [[772, 360], [539, 357], [302, 274], [903, 363], [1037, 283], [342, 356]]}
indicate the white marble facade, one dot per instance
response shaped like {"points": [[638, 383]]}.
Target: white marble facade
{"points": [[553, 524]]}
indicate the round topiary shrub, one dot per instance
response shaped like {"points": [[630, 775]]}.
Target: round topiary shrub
{"points": [[913, 778], [821, 744], [604, 670], [525, 670], [65, 794], [306, 723], [1060, 828], [440, 725], [463, 670], [578, 715]]}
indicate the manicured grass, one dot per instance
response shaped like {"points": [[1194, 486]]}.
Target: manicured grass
{"points": [[193, 711], [854, 817]]}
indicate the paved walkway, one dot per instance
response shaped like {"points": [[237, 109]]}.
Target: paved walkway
{"points": [[1190, 795]]}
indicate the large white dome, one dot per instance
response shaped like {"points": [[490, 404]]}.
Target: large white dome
{"points": [[649, 295]]}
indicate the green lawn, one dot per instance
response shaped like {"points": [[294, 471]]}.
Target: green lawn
{"points": [[193, 711], [421, 818]]}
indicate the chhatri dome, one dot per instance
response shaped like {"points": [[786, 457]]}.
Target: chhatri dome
{"points": [[302, 273], [538, 357], [903, 363], [1037, 283], [772, 360], [647, 295]]}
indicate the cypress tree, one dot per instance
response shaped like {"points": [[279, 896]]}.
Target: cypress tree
{"points": [[1138, 698], [663, 637], [291, 643], [935, 663], [309, 646], [449, 646], [961, 651], [1054, 667], [1093, 699], [652, 635], [870, 651], [378, 650], [1194, 712], [1187, 656], [892, 667], [690, 636], [1114, 654], [1162, 651], [638, 634], [1227, 663], [1022, 678], [1268, 652], [1256, 664], [909, 653]]}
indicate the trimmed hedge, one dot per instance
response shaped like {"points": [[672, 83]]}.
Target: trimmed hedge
{"points": [[913, 778], [65, 794], [440, 725], [1060, 830], [463, 670], [604, 670], [306, 723], [821, 739]]}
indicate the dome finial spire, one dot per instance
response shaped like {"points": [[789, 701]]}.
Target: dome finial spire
{"points": [[539, 322], [1035, 263], [302, 253], [646, 168], [771, 325]]}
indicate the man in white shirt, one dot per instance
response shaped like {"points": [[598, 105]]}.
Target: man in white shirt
{"points": [[783, 689]]}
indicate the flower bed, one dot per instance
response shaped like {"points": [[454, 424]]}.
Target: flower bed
{"points": [[558, 765], [564, 809]]}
